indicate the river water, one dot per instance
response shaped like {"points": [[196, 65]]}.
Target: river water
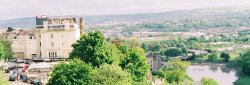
{"points": [[221, 74]]}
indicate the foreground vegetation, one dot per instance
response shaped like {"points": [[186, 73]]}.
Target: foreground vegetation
{"points": [[97, 61], [3, 81], [5, 49], [208, 81]]}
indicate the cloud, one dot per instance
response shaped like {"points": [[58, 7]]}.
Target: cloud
{"points": [[28, 8]]}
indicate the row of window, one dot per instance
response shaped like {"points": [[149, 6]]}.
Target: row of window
{"points": [[51, 36], [22, 50]]}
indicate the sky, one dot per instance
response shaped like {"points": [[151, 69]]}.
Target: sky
{"points": [[10, 9]]}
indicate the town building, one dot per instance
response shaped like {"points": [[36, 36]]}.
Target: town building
{"points": [[52, 38]]}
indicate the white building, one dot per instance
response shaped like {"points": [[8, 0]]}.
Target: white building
{"points": [[52, 39]]}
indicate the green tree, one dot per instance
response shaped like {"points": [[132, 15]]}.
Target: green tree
{"points": [[175, 71], [10, 29], [76, 72], [134, 61], [208, 81], [144, 46], [157, 47], [245, 62], [5, 50], [225, 56], [173, 52], [111, 75], [213, 57], [93, 48]]}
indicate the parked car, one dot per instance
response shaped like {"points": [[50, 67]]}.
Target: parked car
{"points": [[20, 61], [14, 75]]}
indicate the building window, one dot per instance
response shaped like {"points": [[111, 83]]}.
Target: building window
{"points": [[52, 55], [51, 35], [52, 44], [49, 55], [55, 55]]}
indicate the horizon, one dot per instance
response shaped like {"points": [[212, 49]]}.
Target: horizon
{"points": [[246, 7], [104, 7]]}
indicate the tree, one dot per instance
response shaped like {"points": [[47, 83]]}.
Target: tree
{"points": [[5, 50], [175, 71], [76, 72], [10, 29], [213, 57], [245, 62], [225, 56], [208, 81], [157, 47], [134, 61], [111, 75], [172, 52], [93, 48], [144, 46]]}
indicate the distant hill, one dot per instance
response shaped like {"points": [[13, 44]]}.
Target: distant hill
{"points": [[29, 22]]}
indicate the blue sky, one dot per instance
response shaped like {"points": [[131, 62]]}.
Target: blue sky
{"points": [[28, 8]]}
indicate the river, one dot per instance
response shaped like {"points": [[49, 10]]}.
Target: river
{"points": [[221, 74]]}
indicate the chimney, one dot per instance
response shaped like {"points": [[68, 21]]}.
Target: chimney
{"points": [[81, 25]]}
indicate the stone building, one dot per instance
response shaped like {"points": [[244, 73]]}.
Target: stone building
{"points": [[52, 39], [154, 61], [57, 36]]}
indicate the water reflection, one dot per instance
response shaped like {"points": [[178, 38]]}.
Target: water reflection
{"points": [[222, 75], [213, 68]]}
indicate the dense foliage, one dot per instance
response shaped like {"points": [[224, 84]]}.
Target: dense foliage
{"points": [[93, 48], [111, 75], [245, 62], [208, 81], [134, 61], [76, 72], [175, 71], [100, 62], [226, 56], [213, 57], [5, 49], [173, 52]]}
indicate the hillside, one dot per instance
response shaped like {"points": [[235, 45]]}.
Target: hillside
{"points": [[29, 22]]}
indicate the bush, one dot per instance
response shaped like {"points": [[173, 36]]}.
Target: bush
{"points": [[213, 57], [208, 81], [76, 72], [174, 72], [225, 56], [245, 62], [111, 75]]}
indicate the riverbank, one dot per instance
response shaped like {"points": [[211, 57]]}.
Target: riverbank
{"points": [[211, 64]]}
